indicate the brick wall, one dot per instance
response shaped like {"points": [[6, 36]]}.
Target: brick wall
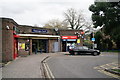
{"points": [[30, 46], [50, 45], [69, 32], [7, 40], [0, 40]]}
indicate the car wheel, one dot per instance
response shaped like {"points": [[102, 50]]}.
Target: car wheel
{"points": [[95, 54]]}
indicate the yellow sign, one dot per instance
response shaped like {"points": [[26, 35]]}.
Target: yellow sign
{"points": [[78, 40], [23, 45]]}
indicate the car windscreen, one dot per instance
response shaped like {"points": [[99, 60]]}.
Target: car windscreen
{"points": [[84, 47], [78, 48]]}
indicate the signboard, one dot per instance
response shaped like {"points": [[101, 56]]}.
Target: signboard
{"points": [[69, 37], [21, 46], [16, 30], [16, 36], [78, 40], [39, 31], [93, 39], [69, 40]]}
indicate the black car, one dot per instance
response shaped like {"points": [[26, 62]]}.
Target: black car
{"points": [[83, 49]]}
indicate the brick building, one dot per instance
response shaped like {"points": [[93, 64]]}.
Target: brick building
{"points": [[22, 40]]}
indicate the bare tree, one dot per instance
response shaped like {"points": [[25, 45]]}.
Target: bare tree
{"points": [[55, 23], [74, 18]]}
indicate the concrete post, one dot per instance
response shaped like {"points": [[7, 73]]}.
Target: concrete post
{"points": [[30, 46]]}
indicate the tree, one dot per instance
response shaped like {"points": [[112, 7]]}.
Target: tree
{"points": [[104, 42], [98, 39], [74, 19], [107, 13], [55, 23]]}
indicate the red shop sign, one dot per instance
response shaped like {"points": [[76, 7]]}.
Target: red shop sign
{"points": [[16, 36], [69, 37]]}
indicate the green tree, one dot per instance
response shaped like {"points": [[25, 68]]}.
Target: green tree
{"points": [[107, 13], [103, 42], [98, 39]]}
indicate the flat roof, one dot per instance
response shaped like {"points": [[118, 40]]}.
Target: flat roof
{"points": [[37, 35]]}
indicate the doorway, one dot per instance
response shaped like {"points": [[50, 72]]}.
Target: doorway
{"points": [[67, 43], [39, 45]]}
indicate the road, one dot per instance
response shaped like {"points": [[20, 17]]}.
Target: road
{"points": [[82, 66]]}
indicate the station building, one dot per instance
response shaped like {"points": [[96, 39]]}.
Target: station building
{"points": [[23, 40]]}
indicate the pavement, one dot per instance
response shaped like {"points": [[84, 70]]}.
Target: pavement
{"points": [[25, 67]]}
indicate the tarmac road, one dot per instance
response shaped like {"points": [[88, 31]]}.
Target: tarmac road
{"points": [[82, 66]]}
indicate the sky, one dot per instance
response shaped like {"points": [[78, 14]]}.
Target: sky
{"points": [[39, 12]]}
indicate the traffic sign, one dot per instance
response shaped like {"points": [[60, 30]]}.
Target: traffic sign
{"points": [[93, 39]]}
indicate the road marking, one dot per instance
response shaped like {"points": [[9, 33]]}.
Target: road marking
{"points": [[97, 68], [109, 74], [102, 68], [50, 72], [48, 69], [47, 72]]}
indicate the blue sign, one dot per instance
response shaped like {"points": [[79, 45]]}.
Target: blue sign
{"points": [[39, 31], [93, 39], [69, 39]]}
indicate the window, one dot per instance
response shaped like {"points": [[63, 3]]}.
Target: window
{"points": [[84, 47]]}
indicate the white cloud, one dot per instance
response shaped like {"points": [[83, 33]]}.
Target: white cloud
{"points": [[30, 12]]}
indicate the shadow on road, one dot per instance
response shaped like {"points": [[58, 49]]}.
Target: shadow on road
{"points": [[79, 55]]}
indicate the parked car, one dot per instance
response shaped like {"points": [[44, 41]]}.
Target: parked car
{"points": [[84, 50]]}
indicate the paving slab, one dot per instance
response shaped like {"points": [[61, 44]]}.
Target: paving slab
{"points": [[25, 67]]}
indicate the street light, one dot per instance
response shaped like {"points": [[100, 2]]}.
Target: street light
{"points": [[56, 30]]}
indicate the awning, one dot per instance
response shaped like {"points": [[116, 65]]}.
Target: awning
{"points": [[36, 35]]}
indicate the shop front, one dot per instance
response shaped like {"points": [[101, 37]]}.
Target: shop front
{"points": [[34, 44], [67, 42]]}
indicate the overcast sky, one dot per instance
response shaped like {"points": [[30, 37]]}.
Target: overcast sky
{"points": [[39, 12]]}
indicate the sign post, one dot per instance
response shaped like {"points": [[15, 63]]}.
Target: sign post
{"points": [[93, 39]]}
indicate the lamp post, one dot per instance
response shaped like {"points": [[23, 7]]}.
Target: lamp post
{"points": [[58, 39], [56, 30]]}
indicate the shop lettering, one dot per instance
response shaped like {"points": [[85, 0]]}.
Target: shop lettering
{"points": [[39, 31], [69, 37]]}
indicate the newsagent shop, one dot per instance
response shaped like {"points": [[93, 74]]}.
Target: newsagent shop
{"points": [[23, 40]]}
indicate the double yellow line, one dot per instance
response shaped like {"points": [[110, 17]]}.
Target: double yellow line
{"points": [[112, 65], [46, 70]]}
